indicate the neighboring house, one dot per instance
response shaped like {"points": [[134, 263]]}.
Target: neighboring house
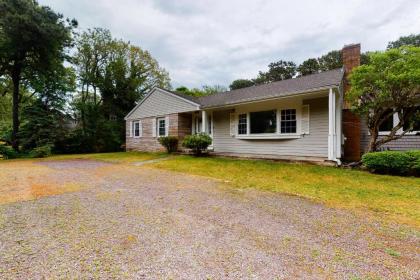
{"points": [[300, 119]]}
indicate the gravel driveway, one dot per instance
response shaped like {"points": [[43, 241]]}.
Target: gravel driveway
{"points": [[136, 222]]}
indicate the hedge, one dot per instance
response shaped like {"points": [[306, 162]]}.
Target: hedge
{"points": [[198, 143], [170, 143], [393, 162]]}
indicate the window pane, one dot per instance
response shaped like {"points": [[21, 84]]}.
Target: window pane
{"points": [[161, 127], [263, 122], [388, 124], [242, 124], [136, 129], [288, 121]]}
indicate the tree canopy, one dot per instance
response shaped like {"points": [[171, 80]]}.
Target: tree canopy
{"points": [[388, 85], [204, 91], [410, 40], [33, 40]]}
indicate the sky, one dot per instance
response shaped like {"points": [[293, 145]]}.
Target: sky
{"points": [[213, 42]]}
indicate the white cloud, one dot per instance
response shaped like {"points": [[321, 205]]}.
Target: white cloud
{"points": [[214, 42]]}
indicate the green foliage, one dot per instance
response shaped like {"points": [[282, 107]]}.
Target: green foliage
{"points": [[277, 71], [7, 152], [388, 84], [170, 143], [204, 91], [331, 60], [309, 66], [198, 143], [41, 152], [241, 83], [410, 40], [112, 75], [393, 162], [36, 40]]}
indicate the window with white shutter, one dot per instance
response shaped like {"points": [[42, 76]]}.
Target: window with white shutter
{"points": [[131, 129], [153, 127], [305, 119], [167, 126], [232, 124]]}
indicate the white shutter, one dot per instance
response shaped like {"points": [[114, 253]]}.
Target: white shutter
{"points": [[140, 129], [305, 119], [154, 127], [232, 124], [131, 129], [166, 125]]}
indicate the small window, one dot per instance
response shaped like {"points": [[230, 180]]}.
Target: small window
{"points": [[263, 122], [288, 121], [161, 127], [388, 124], [242, 124], [136, 129]]}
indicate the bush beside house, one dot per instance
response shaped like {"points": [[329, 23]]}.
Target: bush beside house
{"points": [[198, 143], [393, 162], [170, 143]]}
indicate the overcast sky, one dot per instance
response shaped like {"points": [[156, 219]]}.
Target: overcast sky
{"points": [[207, 42]]}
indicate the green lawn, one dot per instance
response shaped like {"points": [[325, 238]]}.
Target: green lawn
{"points": [[388, 197]]}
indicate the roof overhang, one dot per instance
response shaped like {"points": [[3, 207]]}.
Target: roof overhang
{"points": [[308, 92]]}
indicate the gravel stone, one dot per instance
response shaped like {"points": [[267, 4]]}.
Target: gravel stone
{"points": [[136, 222]]}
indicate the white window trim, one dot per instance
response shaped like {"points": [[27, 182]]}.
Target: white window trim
{"points": [[158, 126], [275, 135], [133, 123]]}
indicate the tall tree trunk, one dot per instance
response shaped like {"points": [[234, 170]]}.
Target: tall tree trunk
{"points": [[15, 109]]}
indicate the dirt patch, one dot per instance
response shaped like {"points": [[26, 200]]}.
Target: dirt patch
{"points": [[137, 222]]}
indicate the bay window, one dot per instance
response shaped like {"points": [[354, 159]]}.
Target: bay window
{"points": [[267, 123], [263, 122]]}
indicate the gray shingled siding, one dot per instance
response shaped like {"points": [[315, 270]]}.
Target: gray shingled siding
{"points": [[407, 142], [313, 145], [160, 103]]}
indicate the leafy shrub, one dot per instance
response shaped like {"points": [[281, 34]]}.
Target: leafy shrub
{"points": [[41, 152], [393, 162], [170, 143], [7, 152], [198, 143]]}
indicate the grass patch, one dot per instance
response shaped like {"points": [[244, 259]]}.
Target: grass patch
{"points": [[389, 197], [392, 252]]}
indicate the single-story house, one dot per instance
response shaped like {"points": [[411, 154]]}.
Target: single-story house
{"points": [[303, 118]]}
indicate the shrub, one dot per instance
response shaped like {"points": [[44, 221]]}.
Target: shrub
{"points": [[170, 143], [41, 152], [7, 152], [198, 143], [393, 162]]}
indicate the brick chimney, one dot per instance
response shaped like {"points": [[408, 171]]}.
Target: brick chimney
{"points": [[351, 122], [351, 59]]}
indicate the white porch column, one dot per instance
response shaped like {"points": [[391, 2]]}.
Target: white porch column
{"points": [[331, 126], [204, 121]]}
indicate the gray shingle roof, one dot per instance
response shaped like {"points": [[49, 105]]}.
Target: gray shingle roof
{"points": [[275, 89], [271, 90]]}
